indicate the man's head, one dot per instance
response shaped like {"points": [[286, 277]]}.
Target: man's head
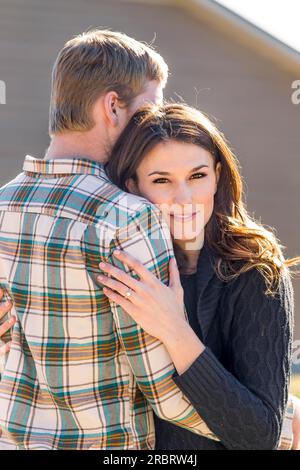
{"points": [[100, 78]]}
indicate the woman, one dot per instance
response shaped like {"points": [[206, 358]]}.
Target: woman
{"points": [[233, 357], [234, 364]]}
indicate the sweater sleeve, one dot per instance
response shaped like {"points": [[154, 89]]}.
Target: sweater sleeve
{"points": [[244, 406]]}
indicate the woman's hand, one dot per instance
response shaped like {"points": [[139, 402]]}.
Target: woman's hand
{"points": [[157, 308], [152, 304], [7, 325]]}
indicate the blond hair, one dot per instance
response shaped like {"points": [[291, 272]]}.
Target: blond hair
{"points": [[94, 63]]}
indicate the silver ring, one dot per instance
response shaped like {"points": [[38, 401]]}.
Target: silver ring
{"points": [[128, 293]]}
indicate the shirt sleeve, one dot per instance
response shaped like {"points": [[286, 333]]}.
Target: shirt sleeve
{"points": [[286, 436], [147, 238], [244, 406]]}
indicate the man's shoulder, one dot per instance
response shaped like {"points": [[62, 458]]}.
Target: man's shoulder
{"points": [[125, 208], [106, 201], [114, 211], [12, 183], [132, 222], [85, 197]]}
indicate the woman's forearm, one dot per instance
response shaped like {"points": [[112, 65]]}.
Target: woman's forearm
{"points": [[242, 399], [182, 344]]}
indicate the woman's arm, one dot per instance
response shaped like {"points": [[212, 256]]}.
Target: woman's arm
{"points": [[243, 410], [253, 392]]}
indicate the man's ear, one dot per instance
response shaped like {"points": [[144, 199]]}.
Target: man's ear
{"points": [[131, 186], [111, 108]]}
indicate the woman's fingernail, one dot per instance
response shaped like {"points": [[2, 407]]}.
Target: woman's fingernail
{"points": [[102, 265], [117, 252], [100, 278], [11, 321]]}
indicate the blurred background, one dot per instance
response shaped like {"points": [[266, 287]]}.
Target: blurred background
{"points": [[237, 60]]}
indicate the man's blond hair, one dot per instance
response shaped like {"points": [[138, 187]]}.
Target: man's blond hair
{"points": [[94, 63]]}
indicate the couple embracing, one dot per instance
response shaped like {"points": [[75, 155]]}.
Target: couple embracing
{"points": [[146, 309]]}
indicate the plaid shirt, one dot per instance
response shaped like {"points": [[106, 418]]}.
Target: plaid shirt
{"points": [[81, 374]]}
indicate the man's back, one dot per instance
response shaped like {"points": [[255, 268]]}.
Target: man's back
{"points": [[67, 378]]}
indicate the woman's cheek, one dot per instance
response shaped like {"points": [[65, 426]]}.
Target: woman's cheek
{"points": [[208, 208], [205, 198], [156, 195]]}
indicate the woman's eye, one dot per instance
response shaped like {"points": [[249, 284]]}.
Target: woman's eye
{"points": [[165, 180], [199, 175], [160, 180]]}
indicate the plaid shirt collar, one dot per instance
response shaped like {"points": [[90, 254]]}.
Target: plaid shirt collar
{"points": [[64, 166]]}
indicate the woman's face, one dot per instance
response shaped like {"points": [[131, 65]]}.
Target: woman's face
{"points": [[181, 179]]}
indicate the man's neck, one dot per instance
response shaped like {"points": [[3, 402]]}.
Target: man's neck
{"points": [[74, 145]]}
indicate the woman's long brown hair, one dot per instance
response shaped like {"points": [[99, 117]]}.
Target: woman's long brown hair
{"points": [[239, 242]]}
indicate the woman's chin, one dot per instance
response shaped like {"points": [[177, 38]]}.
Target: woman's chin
{"points": [[189, 242]]}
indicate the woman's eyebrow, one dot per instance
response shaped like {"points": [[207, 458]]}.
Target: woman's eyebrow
{"points": [[167, 173]]}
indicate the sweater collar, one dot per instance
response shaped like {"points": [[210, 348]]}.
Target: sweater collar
{"points": [[207, 280], [205, 267]]}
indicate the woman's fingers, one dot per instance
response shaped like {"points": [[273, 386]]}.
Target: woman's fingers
{"points": [[5, 308], [5, 348], [144, 273], [175, 282], [174, 274], [127, 305], [125, 278], [7, 325], [113, 284]]}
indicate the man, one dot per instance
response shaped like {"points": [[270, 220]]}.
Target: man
{"points": [[81, 374]]}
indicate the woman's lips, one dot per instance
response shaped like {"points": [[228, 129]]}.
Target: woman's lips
{"points": [[185, 217]]}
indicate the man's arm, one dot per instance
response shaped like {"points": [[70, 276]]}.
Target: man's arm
{"points": [[148, 239]]}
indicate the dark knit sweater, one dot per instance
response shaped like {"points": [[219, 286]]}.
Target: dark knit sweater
{"points": [[239, 384]]}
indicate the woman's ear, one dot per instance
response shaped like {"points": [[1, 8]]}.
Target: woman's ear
{"points": [[132, 187], [218, 174]]}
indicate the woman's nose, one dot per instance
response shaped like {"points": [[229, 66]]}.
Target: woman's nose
{"points": [[182, 195]]}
